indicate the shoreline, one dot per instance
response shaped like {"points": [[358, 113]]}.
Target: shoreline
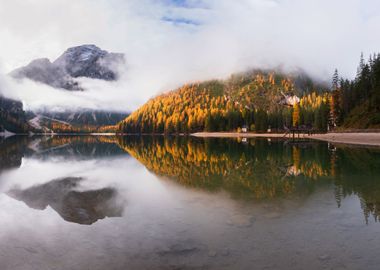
{"points": [[236, 135], [351, 138], [362, 139], [344, 138]]}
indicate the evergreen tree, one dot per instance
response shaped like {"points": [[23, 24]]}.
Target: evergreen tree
{"points": [[360, 67], [335, 80]]}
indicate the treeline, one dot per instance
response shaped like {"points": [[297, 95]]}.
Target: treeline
{"points": [[253, 101], [356, 103]]}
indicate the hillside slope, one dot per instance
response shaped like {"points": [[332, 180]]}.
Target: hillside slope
{"points": [[255, 99]]}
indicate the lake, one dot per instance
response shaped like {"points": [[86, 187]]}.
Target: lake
{"points": [[104, 202]]}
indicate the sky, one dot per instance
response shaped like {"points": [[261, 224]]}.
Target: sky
{"points": [[171, 42]]}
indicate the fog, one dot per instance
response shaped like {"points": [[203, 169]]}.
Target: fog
{"points": [[168, 43]]}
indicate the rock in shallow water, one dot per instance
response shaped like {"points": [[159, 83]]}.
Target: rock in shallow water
{"points": [[180, 249], [240, 221], [212, 253], [324, 257], [272, 215]]}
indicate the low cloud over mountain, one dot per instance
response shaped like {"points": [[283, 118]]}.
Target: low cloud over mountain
{"points": [[169, 43], [82, 61]]}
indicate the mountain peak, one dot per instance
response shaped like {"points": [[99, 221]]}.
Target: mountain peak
{"points": [[86, 60], [80, 53], [90, 61]]}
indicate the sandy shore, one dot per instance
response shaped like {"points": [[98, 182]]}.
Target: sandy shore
{"points": [[350, 138], [344, 138]]}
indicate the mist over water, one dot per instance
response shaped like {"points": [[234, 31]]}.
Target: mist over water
{"points": [[185, 203]]}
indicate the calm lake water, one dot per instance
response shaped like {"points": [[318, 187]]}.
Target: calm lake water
{"points": [[91, 202]]}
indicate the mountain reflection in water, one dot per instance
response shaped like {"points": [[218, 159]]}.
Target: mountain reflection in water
{"points": [[83, 207], [63, 195]]}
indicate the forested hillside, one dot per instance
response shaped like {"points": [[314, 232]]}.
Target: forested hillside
{"points": [[262, 101], [257, 100], [356, 103]]}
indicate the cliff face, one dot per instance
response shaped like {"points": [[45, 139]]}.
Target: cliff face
{"points": [[12, 116]]}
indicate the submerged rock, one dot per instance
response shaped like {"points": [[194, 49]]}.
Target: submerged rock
{"points": [[324, 257], [182, 248], [272, 215], [212, 253], [240, 220]]}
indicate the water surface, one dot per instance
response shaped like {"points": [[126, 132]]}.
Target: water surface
{"points": [[86, 202]]}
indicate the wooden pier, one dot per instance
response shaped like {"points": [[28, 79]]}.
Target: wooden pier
{"points": [[298, 131]]}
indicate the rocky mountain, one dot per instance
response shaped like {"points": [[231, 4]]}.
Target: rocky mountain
{"points": [[91, 62], [43, 71], [81, 61]]}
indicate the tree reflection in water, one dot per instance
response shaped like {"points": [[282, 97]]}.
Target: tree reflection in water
{"points": [[263, 169]]}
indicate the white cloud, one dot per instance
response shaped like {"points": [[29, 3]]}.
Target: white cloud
{"points": [[169, 44]]}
